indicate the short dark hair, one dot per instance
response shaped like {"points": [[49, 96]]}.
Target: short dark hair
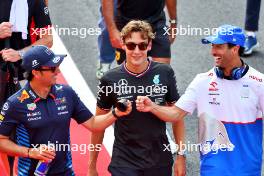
{"points": [[28, 75], [240, 51]]}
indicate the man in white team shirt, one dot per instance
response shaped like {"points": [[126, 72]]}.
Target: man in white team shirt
{"points": [[230, 102]]}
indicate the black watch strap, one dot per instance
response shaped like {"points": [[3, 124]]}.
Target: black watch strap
{"points": [[114, 113]]}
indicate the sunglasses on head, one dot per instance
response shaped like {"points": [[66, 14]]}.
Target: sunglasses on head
{"points": [[141, 46], [52, 69]]}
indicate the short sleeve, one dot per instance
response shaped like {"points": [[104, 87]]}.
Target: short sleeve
{"points": [[188, 101], [7, 121], [80, 112], [105, 95], [172, 95], [41, 15]]}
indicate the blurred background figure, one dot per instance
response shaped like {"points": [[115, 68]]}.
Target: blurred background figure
{"points": [[251, 25], [106, 51]]}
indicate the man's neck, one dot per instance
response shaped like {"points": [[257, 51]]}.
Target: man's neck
{"points": [[237, 63], [40, 90], [137, 69]]}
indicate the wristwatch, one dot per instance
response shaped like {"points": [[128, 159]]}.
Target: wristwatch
{"points": [[181, 153], [21, 53], [173, 21]]}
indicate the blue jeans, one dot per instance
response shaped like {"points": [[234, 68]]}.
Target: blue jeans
{"points": [[252, 15], [106, 51]]}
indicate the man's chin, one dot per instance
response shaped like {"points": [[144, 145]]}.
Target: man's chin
{"points": [[217, 64]]}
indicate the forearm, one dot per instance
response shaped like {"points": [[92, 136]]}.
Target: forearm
{"points": [[167, 113], [172, 8], [96, 138], [10, 148], [46, 40], [179, 135], [179, 132], [108, 13], [100, 122]]}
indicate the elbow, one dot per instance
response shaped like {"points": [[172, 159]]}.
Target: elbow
{"points": [[176, 116], [95, 128], [175, 119]]}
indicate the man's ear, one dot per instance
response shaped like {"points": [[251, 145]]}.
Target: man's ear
{"points": [[35, 73], [123, 45], [236, 49], [149, 45]]}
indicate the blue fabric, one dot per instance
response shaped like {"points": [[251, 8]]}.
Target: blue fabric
{"points": [[106, 51], [43, 121], [246, 157], [227, 34]]}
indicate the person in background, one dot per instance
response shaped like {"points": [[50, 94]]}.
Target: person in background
{"points": [[252, 26], [148, 11], [106, 51]]}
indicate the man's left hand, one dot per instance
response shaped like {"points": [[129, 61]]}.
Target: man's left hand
{"points": [[180, 166], [10, 55], [128, 110]]}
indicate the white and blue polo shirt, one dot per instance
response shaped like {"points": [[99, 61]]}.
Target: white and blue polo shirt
{"points": [[230, 122]]}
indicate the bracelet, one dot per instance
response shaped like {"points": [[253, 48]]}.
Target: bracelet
{"points": [[114, 114], [181, 153]]}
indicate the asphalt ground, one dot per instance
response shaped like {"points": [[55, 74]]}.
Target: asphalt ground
{"points": [[189, 56]]}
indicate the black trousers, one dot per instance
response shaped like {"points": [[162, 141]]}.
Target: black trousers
{"points": [[123, 171], [252, 15]]}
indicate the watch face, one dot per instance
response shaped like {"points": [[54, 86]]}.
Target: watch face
{"points": [[182, 153], [21, 53], [173, 21]]}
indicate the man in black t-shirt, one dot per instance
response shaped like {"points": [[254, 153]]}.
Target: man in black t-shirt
{"points": [[146, 10], [140, 138]]}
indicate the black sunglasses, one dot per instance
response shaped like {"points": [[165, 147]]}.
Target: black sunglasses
{"points": [[52, 69], [131, 46]]}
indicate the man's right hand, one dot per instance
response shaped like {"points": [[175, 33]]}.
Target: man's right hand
{"points": [[43, 152], [144, 104], [115, 38], [5, 30]]}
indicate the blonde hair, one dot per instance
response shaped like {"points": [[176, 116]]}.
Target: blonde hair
{"points": [[137, 26]]}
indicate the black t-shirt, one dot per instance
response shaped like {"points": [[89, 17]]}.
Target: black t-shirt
{"points": [[139, 9], [139, 137], [37, 10]]}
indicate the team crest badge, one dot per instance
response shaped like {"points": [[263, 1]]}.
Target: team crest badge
{"points": [[156, 79], [31, 106], [23, 96]]}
